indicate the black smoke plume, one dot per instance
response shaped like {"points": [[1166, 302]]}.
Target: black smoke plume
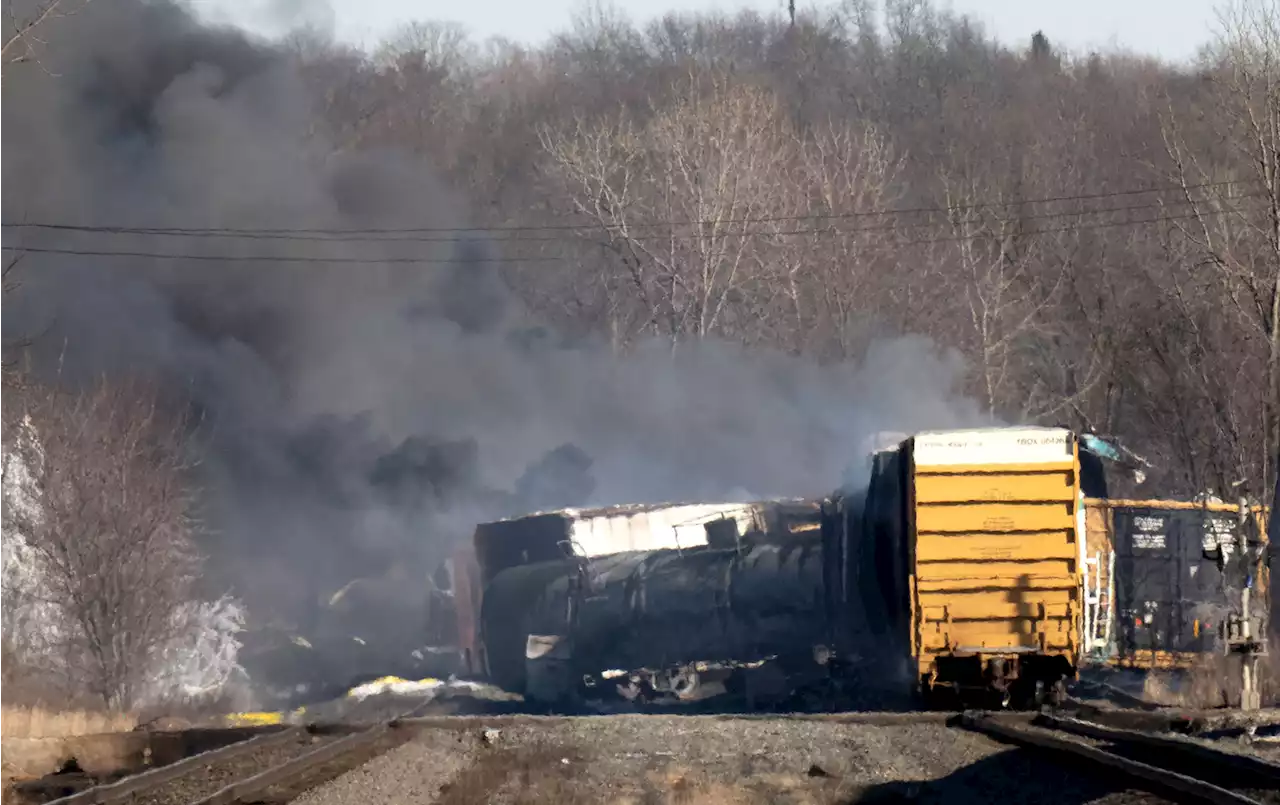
{"points": [[359, 418]]}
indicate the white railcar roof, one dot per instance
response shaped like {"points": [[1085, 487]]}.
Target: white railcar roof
{"points": [[628, 509], [1018, 445]]}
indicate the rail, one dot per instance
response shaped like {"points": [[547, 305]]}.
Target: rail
{"points": [[1174, 766], [247, 789], [123, 789]]}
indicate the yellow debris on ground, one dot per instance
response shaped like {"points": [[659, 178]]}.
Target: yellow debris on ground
{"points": [[394, 684], [253, 719]]}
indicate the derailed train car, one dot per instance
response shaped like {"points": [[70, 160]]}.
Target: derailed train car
{"points": [[529, 553], [648, 623], [957, 571], [965, 561]]}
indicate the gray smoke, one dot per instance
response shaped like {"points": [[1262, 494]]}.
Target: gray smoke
{"points": [[358, 417]]}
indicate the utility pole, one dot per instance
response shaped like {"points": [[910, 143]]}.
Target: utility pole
{"points": [[1240, 638]]}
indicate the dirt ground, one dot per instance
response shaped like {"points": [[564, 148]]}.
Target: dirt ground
{"points": [[665, 760]]}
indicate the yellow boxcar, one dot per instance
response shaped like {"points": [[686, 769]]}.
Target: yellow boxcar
{"points": [[994, 562]]}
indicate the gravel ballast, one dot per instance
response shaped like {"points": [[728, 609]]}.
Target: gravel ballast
{"points": [[644, 760], [203, 782]]}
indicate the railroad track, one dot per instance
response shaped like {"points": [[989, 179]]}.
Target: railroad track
{"points": [[277, 767], [1172, 766], [274, 767]]}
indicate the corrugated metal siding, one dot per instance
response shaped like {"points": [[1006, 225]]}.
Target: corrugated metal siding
{"points": [[680, 526], [995, 552]]}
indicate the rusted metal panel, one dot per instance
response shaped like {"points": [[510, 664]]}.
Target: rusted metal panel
{"points": [[466, 602]]}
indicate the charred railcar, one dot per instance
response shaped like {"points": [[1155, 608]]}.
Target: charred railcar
{"points": [[655, 622], [957, 572], [487, 637]]}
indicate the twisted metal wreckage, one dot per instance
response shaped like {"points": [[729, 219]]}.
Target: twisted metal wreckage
{"points": [[778, 599]]}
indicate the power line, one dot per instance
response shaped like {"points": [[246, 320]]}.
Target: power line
{"points": [[689, 236], [437, 260], [694, 236], [227, 231]]}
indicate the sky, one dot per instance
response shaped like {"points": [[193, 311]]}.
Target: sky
{"points": [[1170, 29]]}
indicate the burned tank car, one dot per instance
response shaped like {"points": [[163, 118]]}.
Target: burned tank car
{"points": [[518, 601], [659, 622], [866, 591]]}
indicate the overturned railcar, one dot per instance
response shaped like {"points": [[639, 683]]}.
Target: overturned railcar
{"points": [[649, 623], [518, 569], [956, 573]]}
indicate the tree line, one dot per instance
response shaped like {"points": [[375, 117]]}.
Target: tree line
{"points": [[813, 184], [1097, 235]]}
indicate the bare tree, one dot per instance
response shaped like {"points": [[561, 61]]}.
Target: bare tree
{"points": [[684, 199], [106, 528], [1224, 150], [430, 45], [24, 24], [996, 284], [838, 282]]}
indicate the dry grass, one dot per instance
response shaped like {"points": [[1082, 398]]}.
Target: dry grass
{"points": [[203, 711], [39, 722]]}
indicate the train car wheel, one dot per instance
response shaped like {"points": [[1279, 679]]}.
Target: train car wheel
{"points": [[931, 697], [1058, 694], [1000, 699], [636, 690]]}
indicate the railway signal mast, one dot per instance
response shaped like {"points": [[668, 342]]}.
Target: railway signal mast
{"points": [[1238, 560]]}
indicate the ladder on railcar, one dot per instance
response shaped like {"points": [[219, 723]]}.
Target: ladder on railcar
{"points": [[1099, 610]]}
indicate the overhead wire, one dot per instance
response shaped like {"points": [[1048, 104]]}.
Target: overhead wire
{"points": [[480, 230], [453, 260], [719, 233]]}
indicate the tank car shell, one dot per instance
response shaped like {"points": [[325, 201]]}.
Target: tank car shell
{"points": [[650, 610], [517, 602], [668, 608]]}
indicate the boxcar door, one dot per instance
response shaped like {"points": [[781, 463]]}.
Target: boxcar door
{"points": [[1148, 564]]}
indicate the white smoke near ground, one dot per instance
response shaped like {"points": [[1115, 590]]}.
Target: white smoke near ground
{"points": [[34, 623], [360, 418], [200, 662]]}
